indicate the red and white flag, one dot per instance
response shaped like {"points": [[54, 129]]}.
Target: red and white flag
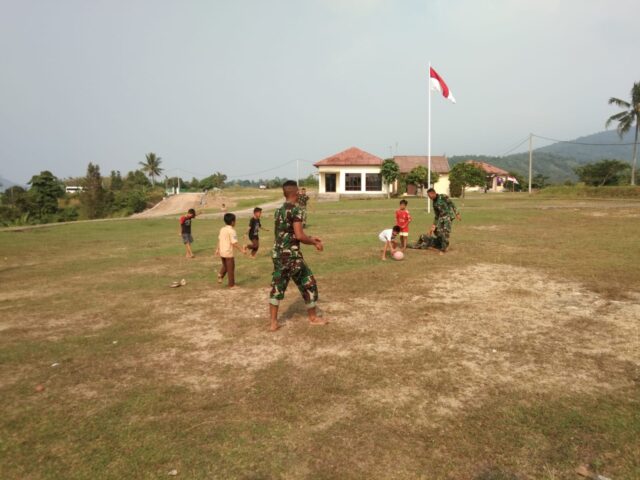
{"points": [[437, 83]]}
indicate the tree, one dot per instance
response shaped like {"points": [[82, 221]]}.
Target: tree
{"points": [[419, 176], [464, 175], [213, 181], [44, 193], [152, 166], [605, 172], [539, 181], [390, 171], [136, 179], [116, 181], [95, 200], [626, 119]]}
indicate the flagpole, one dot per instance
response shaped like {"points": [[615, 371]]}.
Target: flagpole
{"points": [[429, 138]]}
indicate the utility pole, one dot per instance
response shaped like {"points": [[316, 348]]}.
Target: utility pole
{"points": [[530, 159]]}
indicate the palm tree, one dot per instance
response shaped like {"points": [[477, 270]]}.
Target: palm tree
{"points": [[152, 166], [625, 120]]}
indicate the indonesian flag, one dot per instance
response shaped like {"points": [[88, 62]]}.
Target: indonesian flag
{"points": [[437, 83]]}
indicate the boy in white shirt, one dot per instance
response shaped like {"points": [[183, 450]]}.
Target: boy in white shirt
{"points": [[227, 241], [388, 236]]}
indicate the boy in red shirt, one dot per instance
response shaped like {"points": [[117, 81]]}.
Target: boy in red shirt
{"points": [[403, 218], [185, 231]]}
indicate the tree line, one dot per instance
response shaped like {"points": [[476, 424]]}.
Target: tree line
{"points": [[47, 201]]}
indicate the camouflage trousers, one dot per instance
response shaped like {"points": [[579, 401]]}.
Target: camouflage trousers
{"points": [[443, 231], [288, 268], [426, 241], [303, 210]]}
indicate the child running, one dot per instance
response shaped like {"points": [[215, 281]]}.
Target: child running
{"points": [[403, 219], [227, 242], [254, 232]]}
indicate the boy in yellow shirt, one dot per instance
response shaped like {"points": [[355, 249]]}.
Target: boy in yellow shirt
{"points": [[227, 242]]}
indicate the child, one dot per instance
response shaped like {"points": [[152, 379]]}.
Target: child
{"points": [[185, 231], [388, 236], [227, 241], [254, 231], [403, 218]]}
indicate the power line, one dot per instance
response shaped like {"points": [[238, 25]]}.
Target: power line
{"points": [[514, 148], [262, 171]]}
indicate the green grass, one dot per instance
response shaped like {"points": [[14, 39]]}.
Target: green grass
{"points": [[130, 396]]}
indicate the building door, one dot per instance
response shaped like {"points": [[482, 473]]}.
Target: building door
{"points": [[330, 182]]}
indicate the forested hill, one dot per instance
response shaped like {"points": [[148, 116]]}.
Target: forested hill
{"points": [[558, 160]]}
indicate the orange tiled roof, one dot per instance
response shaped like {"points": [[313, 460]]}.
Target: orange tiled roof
{"points": [[439, 164], [488, 168], [350, 157]]}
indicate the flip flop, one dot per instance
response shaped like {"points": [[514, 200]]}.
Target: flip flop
{"points": [[175, 285]]}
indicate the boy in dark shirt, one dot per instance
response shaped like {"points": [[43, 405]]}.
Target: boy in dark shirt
{"points": [[254, 232], [185, 231]]}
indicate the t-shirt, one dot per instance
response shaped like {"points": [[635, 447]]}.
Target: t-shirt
{"points": [[285, 243], [402, 219], [254, 227], [386, 235], [226, 238], [185, 224]]}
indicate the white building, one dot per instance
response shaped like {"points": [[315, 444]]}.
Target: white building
{"points": [[354, 172], [351, 172]]}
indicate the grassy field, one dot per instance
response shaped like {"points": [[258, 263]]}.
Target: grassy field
{"points": [[514, 356]]}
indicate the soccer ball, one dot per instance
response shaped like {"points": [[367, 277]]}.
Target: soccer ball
{"points": [[398, 255]]}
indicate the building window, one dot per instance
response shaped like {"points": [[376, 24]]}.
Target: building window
{"points": [[374, 182], [352, 182]]}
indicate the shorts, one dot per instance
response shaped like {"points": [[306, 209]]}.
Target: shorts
{"points": [[187, 238], [404, 234]]}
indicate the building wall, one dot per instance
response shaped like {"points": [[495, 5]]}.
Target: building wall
{"points": [[341, 179]]}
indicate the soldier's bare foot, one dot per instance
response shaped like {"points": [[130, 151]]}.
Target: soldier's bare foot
{"points": [[274, 327], [318, 321]]}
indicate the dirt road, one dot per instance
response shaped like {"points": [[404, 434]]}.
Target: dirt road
{"points": [[173, 205]]}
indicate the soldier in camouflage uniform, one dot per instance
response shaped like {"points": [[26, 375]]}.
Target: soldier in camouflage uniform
{"points": [[303, 199], [445, 211], [288, 263], [428, 240]]}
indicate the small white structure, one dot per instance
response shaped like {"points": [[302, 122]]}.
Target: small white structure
{"points": [[351, 172], [73, 189]]}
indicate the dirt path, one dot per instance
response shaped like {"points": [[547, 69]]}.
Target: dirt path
{"points": [[173, 205]]}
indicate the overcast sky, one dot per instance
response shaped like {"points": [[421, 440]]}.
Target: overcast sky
{"points": [[242, 86]]}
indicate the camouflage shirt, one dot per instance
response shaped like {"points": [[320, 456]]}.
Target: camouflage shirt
{"points": [[286, 243], [303, 199], [443, 207]]}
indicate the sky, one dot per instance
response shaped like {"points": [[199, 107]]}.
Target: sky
{"points": [[259, 88]]}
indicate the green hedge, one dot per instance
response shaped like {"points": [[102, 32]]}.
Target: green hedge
{"points": [[583, 191]]}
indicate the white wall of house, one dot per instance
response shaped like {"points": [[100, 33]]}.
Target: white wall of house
{"points": [[341, 179], [442, 185]]}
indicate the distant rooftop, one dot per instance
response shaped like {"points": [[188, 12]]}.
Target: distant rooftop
{"points": [[488, 168], [439, 164], [350, 157]]}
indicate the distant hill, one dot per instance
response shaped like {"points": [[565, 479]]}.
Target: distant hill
{"points": [[4, 184], [558, 160]]}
